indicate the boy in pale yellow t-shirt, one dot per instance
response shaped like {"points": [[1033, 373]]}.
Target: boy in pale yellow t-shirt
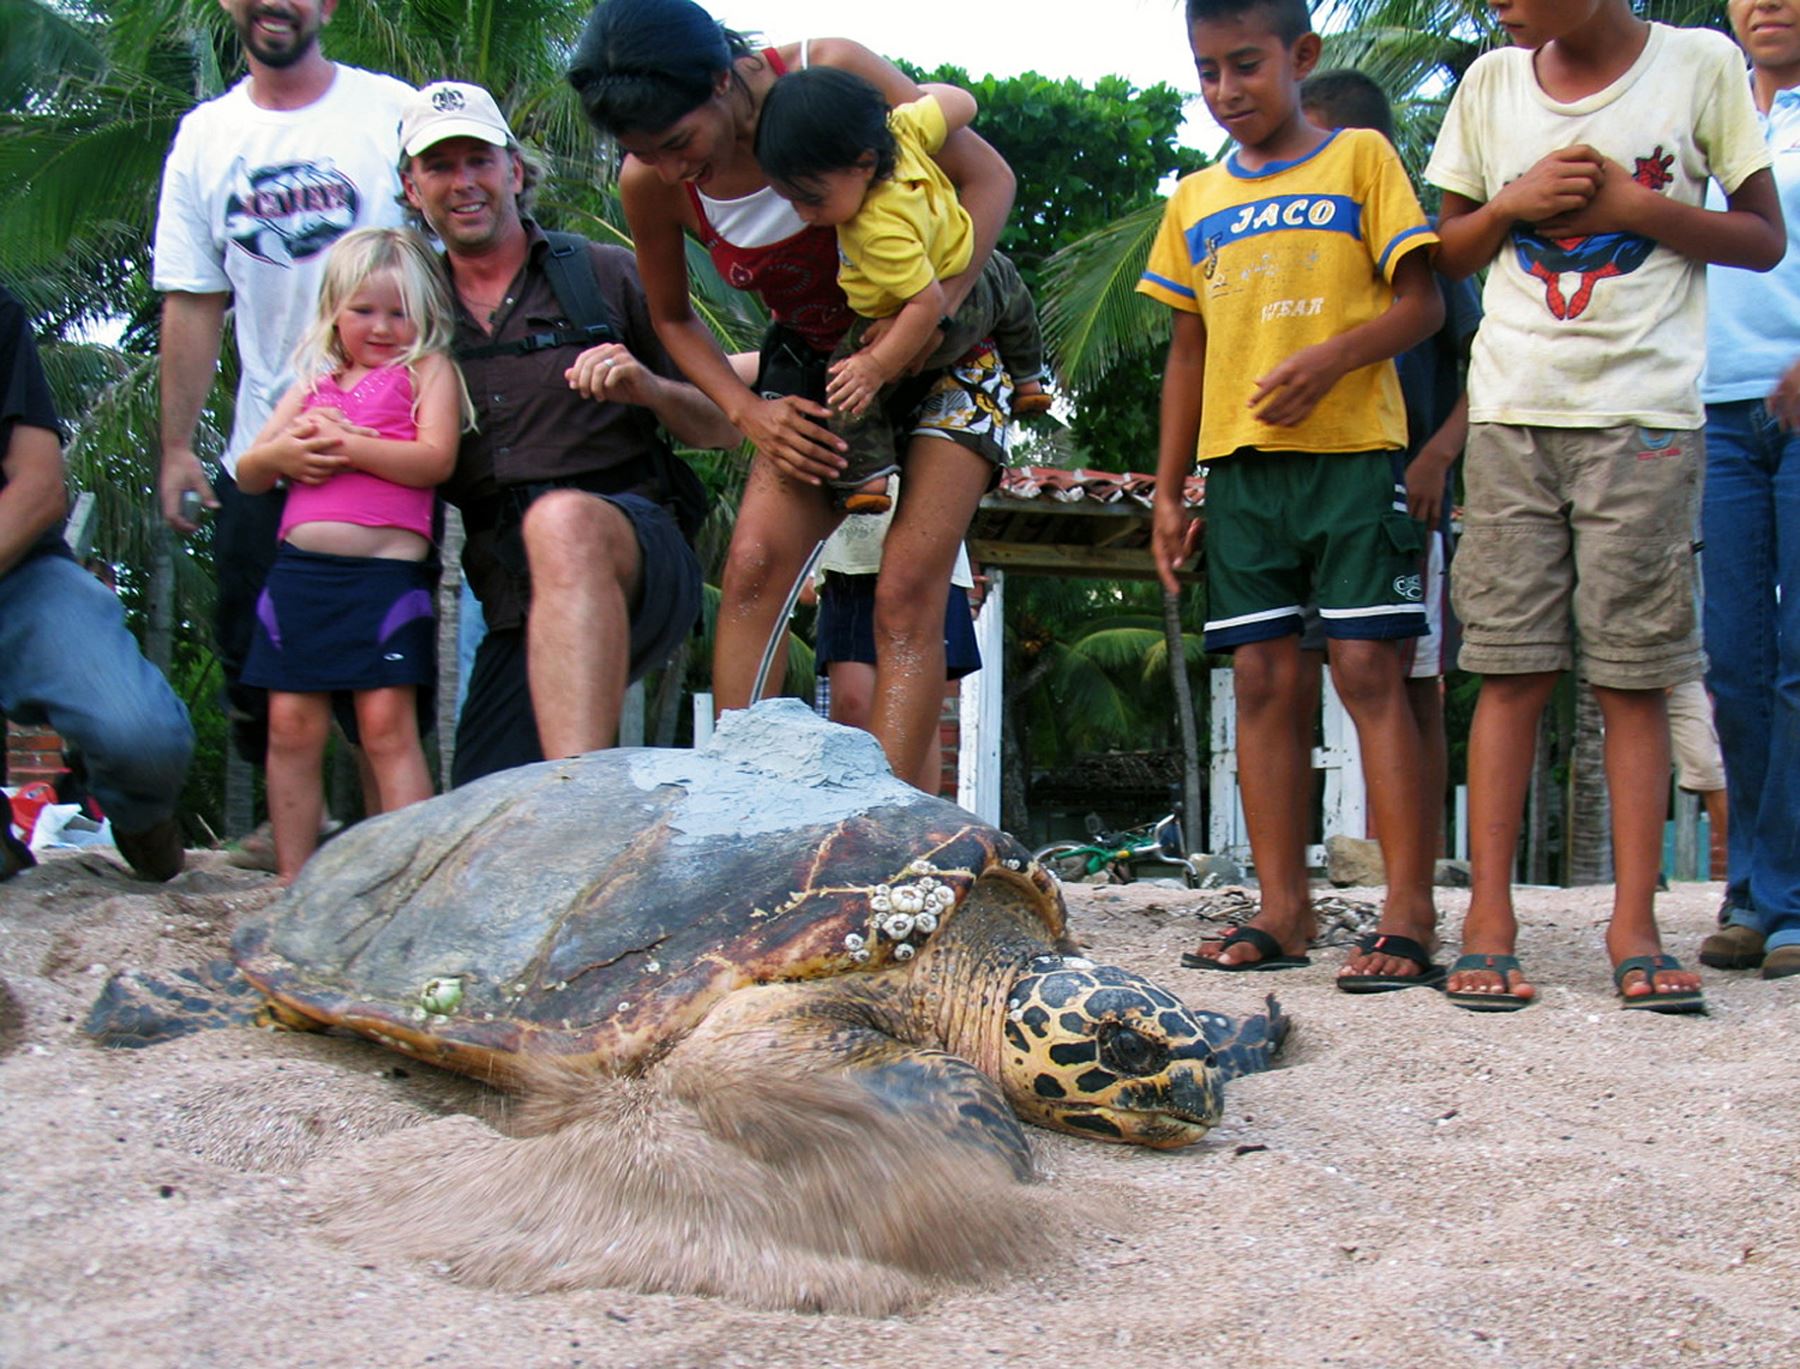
{"points": [[828, 142]]}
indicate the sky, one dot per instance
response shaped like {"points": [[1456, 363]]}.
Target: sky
{"points": [[1142, 40]]}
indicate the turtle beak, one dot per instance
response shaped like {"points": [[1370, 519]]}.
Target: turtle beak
{"points": [[1173, 1111]]}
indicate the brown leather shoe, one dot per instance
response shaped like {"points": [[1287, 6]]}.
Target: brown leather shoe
{"points": [[1782, 962], [157, 853], [1736, 947]]}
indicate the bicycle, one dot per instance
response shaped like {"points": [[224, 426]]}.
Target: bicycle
{"points": [[1118, 854]]}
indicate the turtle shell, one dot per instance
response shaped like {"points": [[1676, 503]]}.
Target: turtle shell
{"points": [[595, 909]]}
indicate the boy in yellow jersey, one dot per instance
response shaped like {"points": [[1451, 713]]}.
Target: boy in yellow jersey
{"points": [[1295, 274]]}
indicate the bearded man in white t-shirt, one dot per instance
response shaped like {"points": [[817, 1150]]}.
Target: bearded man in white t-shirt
{"points": [[260, 183]]}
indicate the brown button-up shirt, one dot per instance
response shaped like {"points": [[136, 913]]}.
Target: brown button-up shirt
{"points": [[530, 426]]}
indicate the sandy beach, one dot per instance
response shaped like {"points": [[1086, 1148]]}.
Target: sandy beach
{"points": [[1569, 1185]]}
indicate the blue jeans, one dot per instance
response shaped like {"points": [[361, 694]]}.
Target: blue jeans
{"points": [[66, 659], [1750, 519]]}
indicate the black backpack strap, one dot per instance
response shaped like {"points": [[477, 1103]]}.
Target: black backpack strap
{"points": [[571, 274], [571, 277]]}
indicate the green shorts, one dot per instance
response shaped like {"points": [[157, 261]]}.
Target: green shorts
{"points": [[1282, 526]]}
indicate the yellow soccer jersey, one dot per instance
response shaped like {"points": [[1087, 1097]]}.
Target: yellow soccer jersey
{"points": [[911, 226], [1280, 259]]}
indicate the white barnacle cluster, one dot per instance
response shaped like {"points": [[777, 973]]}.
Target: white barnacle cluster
{"points": [[905, 914]]}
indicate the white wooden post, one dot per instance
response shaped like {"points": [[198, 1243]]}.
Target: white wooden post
{"points": [[983, 694], [1345, 796], [1226, 834]]}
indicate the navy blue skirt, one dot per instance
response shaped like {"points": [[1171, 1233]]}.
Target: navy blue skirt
{"points": [[326, 623], [846, 626]]}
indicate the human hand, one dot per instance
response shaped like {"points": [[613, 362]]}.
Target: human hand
{"points": [[307, 452], [1784, 402], [1614, 207], [182, 474], [1287, 394], [854, 383], [336, 416], [610, 374], [792, 433], [1561, 183], [1173, 538], [1425, 494]]}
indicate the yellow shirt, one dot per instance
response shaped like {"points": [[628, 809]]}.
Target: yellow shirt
{"points": [[911, 227], [1280, 259]]}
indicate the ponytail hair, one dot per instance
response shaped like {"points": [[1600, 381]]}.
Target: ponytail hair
{"points": [[640, 65]]}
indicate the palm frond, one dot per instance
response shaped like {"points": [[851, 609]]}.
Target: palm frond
{"points": [[1092, 314]]}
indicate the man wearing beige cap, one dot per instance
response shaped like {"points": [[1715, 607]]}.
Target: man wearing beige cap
{"points": [[570, 495]]}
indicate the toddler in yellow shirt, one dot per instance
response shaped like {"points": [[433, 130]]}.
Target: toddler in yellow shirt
{"points": [[829, 144]]}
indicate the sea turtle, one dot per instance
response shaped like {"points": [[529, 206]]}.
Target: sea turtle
{"points": [[776, 891]]}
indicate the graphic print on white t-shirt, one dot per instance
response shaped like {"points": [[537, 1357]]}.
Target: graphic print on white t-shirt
{"points": [[1589, 260], [289, 212]]}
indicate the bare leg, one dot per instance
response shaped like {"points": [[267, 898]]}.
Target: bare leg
{"points": [[1426, 699], [386, 720], [1637, 780], [298, 727], [1367, 676], [585, 566], [1502, 746], [943, 484], [1274, 776], [852, 693], [779, 522], [1713, 800]]}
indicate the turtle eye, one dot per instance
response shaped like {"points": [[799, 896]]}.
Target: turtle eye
{"points": [[1124, 1051]]}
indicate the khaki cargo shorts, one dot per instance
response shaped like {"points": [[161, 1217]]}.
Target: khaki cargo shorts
{"points": [[1580, 531]]}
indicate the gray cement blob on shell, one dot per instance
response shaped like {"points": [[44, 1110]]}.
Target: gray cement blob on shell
{"points": [[772, 767]]}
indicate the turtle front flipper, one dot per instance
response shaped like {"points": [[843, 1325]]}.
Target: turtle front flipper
{"points": [[136, 1008], [795, 1030], [1247, 1044]]}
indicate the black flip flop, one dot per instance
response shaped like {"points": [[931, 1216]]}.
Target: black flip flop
{"points": [[1430, 976], [1666, 1001], [1476, 1001], [1273, 957]]}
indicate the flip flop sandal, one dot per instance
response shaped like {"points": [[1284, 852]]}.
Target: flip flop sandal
{"points": [[1671, 1001], [1476, 1001], [1273, 957], [1430, 976]]}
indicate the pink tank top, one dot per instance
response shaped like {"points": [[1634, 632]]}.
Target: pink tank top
{"points": [[381, 400], [796, 276]]}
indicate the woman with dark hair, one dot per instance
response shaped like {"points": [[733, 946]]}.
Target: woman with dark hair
{"points": [[682, 96]]}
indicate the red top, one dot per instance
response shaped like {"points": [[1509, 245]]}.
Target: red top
{"points": [[796, 278]]}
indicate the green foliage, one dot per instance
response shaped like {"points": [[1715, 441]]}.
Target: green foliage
{"points": [[1086, 159], [1098, 651]]}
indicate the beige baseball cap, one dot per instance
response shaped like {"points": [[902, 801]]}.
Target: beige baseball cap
{"points": [[451, 109]]}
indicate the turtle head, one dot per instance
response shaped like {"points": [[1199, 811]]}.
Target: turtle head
{"points": [[1097, 1051]]}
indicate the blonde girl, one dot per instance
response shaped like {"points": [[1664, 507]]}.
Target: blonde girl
{"points": [[361, 440]]}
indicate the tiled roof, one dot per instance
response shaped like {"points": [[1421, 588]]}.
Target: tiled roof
{"points": [[1102, 487], [1050, 521]]}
